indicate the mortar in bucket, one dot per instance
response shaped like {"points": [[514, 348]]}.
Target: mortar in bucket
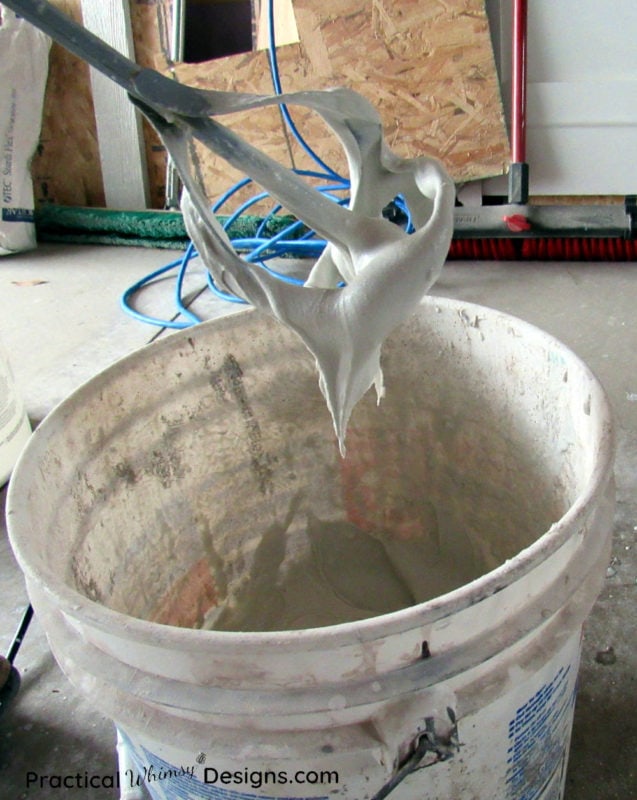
{"points": [[197, 483]]}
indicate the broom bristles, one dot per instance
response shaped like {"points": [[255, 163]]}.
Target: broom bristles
{"points": [[544, 249]]}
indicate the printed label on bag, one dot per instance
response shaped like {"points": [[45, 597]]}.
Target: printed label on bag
{"points": [[18, 215], [11, 411]]}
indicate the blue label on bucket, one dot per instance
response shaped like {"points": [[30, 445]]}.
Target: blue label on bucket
{"points": [[538, 734], [166, 781]]}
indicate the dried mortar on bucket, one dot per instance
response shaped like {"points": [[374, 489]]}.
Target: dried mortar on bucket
{"points": [[231, 507]]}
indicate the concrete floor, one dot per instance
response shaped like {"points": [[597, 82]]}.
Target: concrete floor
{"points": [[61, 324]]}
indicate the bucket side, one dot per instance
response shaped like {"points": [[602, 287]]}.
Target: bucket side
{"points": [[529, 684], [15, 428]]}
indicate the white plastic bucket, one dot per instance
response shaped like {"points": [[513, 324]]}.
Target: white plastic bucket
{"points": [[14, 424], [149, 494]]}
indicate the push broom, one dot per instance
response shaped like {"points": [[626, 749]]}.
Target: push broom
{"points": [[518, 230]]}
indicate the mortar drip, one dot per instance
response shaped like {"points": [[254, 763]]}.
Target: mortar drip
{"points": [[385, 271]]}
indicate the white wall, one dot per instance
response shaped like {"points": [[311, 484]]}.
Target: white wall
{"points": [[582, 94]]}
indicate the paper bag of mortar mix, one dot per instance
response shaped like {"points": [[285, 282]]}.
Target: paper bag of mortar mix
{"points": [[24, 59]]}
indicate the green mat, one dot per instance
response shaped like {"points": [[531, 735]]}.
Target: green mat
{"points": [[161, 229]]}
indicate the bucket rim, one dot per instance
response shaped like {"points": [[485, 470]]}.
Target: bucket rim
{"points": [[86, 611]]}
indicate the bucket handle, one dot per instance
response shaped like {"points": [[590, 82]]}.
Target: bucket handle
{"points": [[429, 745]]}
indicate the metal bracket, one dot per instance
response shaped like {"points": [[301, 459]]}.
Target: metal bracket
{"points": [[428, 748], [630, 205]]}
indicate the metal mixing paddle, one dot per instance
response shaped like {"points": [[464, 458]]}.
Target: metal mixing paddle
{"points": [[386, 271]]}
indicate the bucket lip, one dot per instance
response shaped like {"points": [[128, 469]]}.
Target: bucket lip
{"points": [[79, 607]]}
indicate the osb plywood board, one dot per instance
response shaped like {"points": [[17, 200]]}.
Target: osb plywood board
{"points": [[427, 65], [66, 168], [151, 22]]}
